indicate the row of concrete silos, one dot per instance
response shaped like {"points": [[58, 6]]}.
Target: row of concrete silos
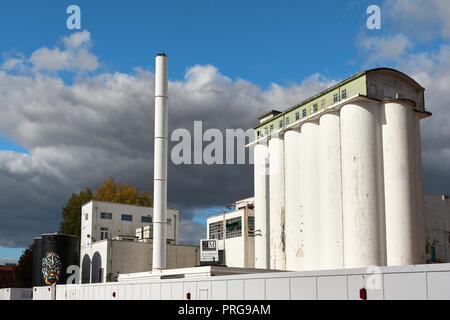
{"points": [[341, 189]]}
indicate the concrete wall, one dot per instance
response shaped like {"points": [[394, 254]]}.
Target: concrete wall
{"points": [[437, 221], [387, 283], [121, 256], [16, 294]]}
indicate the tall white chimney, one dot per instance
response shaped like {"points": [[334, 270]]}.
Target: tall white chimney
{"points": [[160, 163]]}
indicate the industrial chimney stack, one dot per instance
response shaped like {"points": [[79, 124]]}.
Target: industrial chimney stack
{"points": [[160, 163]]}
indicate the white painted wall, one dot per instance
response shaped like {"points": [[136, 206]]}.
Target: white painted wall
{"points": [[116, 226], [406, 282]]}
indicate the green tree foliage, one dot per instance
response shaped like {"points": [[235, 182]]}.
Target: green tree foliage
{"points": [[23, 271], [110, 192], [71, 212]]}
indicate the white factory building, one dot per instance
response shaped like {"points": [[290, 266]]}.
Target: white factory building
{"points": [[234, 232], [338, 177], [118, 238]]}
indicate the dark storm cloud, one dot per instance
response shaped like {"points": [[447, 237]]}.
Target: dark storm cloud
{"points": [[102, 126]]}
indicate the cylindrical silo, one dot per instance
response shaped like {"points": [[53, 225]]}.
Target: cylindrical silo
{"points": [[419, 231], [54, 254], [277, 213], [363, 233], [294, 224], [37, 257], [262, 217], [399, 181], [331, 242], [309, 160]]}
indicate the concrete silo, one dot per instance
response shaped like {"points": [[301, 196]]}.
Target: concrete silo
{"points": [[345, 180]]}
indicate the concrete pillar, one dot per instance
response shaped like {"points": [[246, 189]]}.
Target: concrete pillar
{"points": [[419, 230], [277, 210], [399, 181], [294, 222], [363, 215], [309, 159], [262, 217], [331, 242]]}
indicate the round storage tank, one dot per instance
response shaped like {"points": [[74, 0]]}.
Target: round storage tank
{"points": [[53, 254]]}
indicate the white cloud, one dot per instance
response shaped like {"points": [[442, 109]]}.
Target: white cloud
{"points": [[74, 56], [424, 20], [383, 48]]}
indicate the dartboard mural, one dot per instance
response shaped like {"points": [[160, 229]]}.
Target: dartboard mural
{"points": [[51, 268]]}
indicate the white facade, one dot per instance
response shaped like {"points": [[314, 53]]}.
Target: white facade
{"points": [[106, 220], [101, 221], [234, 232]]}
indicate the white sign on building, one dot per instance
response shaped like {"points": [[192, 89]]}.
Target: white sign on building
{"points": [[208, 250]]}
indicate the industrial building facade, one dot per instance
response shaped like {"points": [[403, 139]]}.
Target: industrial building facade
{"points": [[338, 177], [118, 238], [235, 232]]}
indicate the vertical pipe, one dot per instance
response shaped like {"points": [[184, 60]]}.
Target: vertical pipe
{"points": [[160, 163], [399, 181], [363, 233], [419, 231], [277, 217], [332, 255], [309, 159], [262, 218], [294, 222]]}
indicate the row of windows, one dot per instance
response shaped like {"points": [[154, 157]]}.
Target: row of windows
{"points": [[129, 217], [314, 108], [233, 228]]}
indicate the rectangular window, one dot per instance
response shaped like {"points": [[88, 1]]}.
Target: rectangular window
{"points": [[287, 121], [258, 133], [266, 131], [169, 222], [271, 128], [86, 216], [251, 226], [335, 97], [216, 230], [146, 219], [281, 124], [297, 116], [127, 217], [315, 107], [234, 227], [344, 94], [323, 104], [304, 113], [106, 215]]}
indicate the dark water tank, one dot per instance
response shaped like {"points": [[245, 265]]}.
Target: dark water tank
{"points": [[52, 255]]}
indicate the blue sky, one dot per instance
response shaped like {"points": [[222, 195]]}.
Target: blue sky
{"points": [[263, 42], [258, 41]]}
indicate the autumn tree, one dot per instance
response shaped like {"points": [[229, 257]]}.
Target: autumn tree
{"points": [[110, 192], [71, 212], [23, 271]]}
